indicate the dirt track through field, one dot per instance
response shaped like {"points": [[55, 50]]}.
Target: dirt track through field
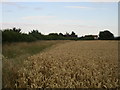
{"points": [[75, 64]]}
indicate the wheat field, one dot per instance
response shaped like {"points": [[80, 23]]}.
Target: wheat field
{"points": [[74, 64]]}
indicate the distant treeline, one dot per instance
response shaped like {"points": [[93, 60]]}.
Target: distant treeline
{"points": [[15, 35]]}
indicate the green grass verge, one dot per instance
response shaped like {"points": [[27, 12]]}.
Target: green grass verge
{"points": [[14, 55]]}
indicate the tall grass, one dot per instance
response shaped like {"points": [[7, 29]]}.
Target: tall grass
{"points": [[14, 55]]}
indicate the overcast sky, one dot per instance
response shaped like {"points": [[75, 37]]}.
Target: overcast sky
{"points": [[81, 17]]}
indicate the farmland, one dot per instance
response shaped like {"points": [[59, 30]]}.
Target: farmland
{"points": [[72, 64], [14, 55]]}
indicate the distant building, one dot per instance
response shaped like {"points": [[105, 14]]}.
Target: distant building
{"points": [[91, 37], [95, 36]]}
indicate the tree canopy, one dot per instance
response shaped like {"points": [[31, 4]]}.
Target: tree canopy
{"points": [[15, 35], [106, 35]]}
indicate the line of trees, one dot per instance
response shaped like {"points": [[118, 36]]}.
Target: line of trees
{"points": [[15, 35]]}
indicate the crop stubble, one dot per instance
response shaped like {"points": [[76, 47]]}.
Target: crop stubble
{"points": [[75, 64]]}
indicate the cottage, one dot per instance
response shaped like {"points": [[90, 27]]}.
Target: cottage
{"points": [[95, 36], [91, 37]]}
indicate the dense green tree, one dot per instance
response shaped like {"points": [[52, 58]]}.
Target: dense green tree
{"points": [[106, 35], [36, 34], [73, 34], [10, 36], [60, 34], [15, 35], [67, 34], [16, 30], [53, 36]]}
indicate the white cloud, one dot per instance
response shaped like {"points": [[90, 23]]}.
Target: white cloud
{"points": [[18, 5], [79, 29], [50, 28], [38, 8], [49, 20], [8, 11], [37, 17], [82, 7], [53, 20]]}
